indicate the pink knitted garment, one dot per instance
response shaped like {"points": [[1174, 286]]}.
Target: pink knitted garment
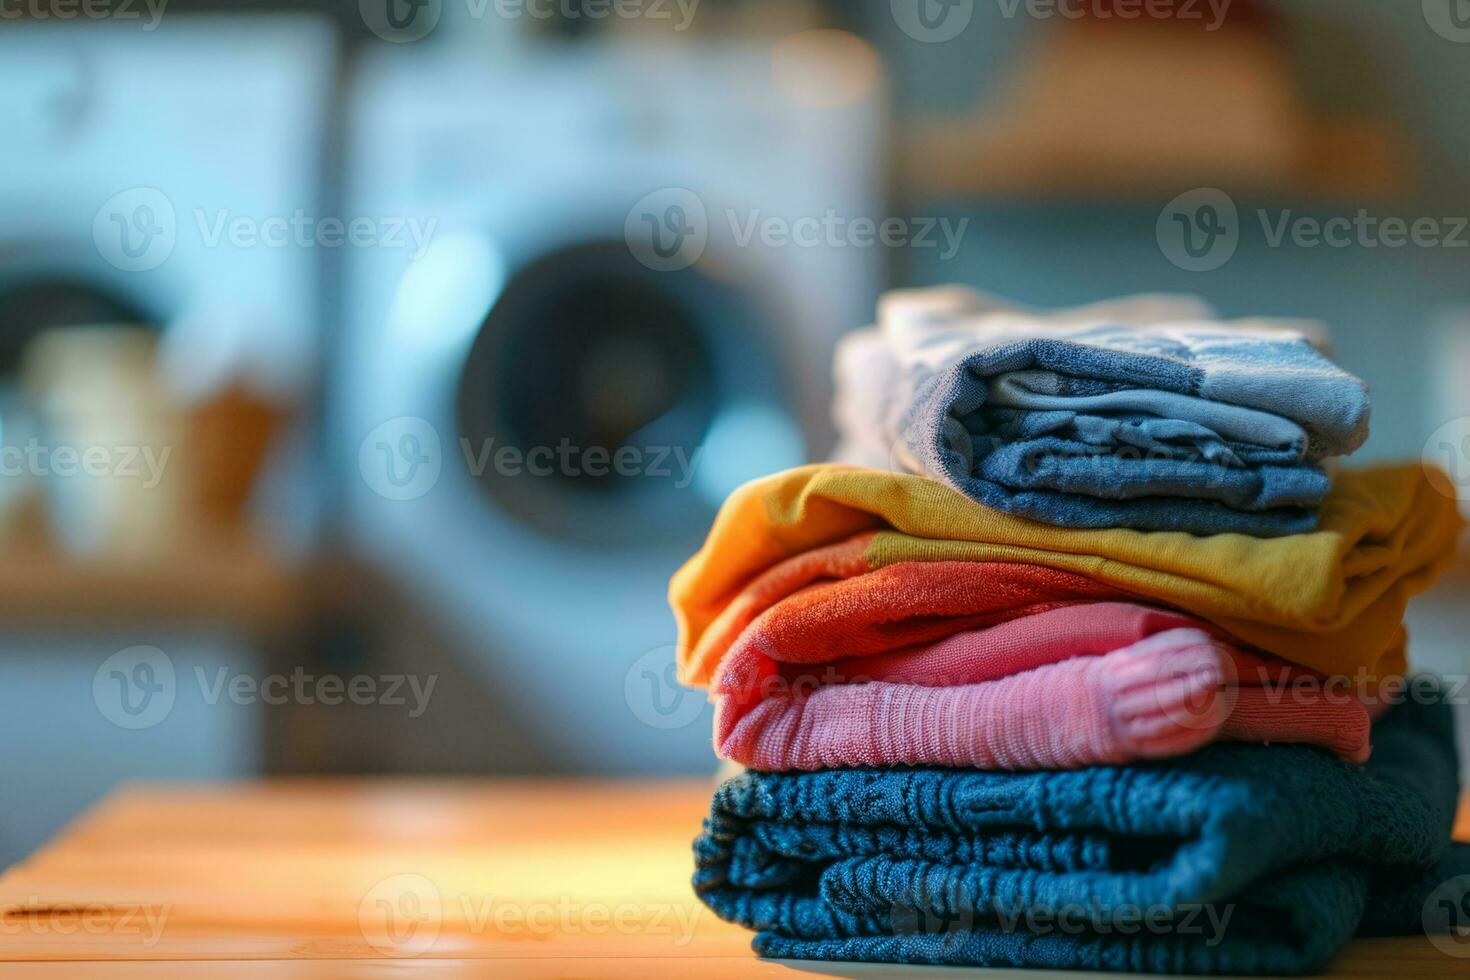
{"points": [[1106, 682]]}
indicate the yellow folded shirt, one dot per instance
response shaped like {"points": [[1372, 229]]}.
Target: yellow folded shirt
{"points": [[1332, 599]]}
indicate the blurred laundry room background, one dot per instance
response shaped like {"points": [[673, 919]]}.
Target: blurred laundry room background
{"points": [[367, 367]]}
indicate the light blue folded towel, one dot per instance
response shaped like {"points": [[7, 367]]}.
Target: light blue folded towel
{"points": [[1147, 414], [1154, 419]]}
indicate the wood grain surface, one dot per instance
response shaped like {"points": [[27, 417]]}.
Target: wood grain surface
{"points": [[363, 878]]}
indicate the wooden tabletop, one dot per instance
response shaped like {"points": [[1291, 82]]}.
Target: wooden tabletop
{"points": [[368, 878]]}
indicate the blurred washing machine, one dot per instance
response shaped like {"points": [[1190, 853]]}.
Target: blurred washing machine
{"points": [[123, 147], [132, 156], [597, 327]]}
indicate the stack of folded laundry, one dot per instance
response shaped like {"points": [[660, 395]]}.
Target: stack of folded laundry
{"points": [[1093, 664], [1142, 413]]}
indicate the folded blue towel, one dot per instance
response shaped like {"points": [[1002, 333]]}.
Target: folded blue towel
{"points": [[1206, 420], [1237, 859], [1130, 473], [1082, 421]]}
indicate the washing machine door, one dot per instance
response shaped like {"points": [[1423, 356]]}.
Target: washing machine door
{"points": [[606, 402], [492, 409]]}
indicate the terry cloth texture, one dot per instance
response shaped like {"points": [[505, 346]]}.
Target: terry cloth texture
{"points": [[1332, 600], [1078, 685], [1236, 859], [1152, 416]]}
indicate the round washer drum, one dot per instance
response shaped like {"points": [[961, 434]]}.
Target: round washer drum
{"points": [[587, 349]]}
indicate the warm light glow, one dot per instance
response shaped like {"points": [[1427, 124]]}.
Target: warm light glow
{"points": [[824, 69], [445, 294]]}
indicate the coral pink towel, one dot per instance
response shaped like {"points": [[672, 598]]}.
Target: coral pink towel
{"points": [[891, 608], [1067, 686]]}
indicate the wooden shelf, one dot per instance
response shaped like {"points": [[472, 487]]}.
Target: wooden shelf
{"points": [[1340, 160], [1115, 110], [225, 581]]}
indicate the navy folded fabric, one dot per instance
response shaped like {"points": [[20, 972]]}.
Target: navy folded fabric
{"points": [[1239, 859], [1081, 420], [1040, 465]]}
